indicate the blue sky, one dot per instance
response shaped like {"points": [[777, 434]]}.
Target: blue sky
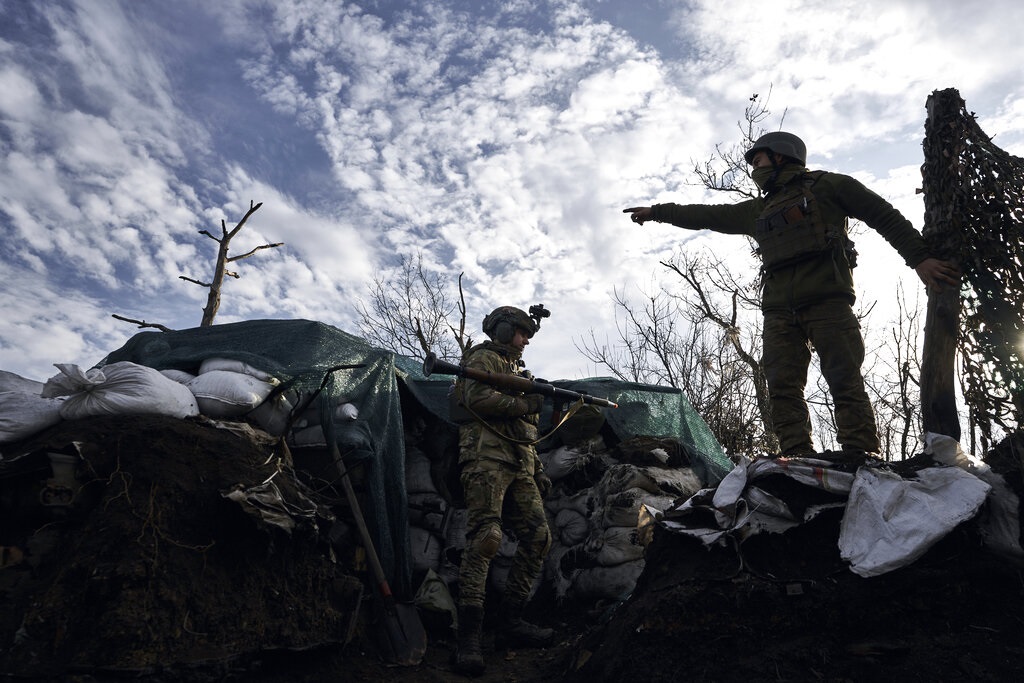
{"points": [[500, 140]]}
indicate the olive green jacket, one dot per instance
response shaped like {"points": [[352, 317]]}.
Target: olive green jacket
{"points": [[503, 413], [828, 276]]}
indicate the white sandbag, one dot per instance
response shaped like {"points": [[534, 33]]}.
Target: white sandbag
{"points": [[571, 526], [226, 394], [563, 461], [23, 414], [273, 414], [12, 382], [179, 376], [615, 545], [612, 583], [122, 388], [417, 472], [230, 365], [426, 549], [582, 502]]}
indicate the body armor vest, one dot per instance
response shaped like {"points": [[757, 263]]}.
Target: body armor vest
{"points": [[791, 228]]}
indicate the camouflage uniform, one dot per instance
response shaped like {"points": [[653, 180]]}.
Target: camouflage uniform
{"points": [[498, 475], [808, 299]]}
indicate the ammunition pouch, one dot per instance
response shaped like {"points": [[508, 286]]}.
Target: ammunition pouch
{"points": [[791, 228]]}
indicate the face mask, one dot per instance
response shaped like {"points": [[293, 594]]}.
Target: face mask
{"points": [[762, 176]]}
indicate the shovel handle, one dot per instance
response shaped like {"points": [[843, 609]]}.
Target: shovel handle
{"points": [[350, 494]]}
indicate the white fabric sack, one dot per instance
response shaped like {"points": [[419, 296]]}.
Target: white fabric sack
{"points": [[612, 583], [417, 472], [563, 461], [179, 376], [615, 545], [12, 382], [226, 394], [229, 365], [118, 389], [890, 521], [272, 415], [571, 526], [23, 414]]}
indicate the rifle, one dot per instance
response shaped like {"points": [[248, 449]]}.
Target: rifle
{"points": [[432, 364]]}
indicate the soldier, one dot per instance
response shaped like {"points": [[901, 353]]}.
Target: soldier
{"points": [[500, 471], [800, 226]]}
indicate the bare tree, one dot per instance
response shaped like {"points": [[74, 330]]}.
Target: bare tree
{"points": [[410, 313], [220, 269]]}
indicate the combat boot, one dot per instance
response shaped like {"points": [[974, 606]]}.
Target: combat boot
{"points": [[469, 659], [513, 630]]}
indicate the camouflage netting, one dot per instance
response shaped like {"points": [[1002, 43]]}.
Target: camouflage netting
{"points": [[974, 201]]}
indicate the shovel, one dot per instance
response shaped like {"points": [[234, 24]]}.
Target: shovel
{"points": [[406, 638]]}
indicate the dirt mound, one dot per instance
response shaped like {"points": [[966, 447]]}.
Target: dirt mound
{"points": [[788, 610], [154, 569], [177, 563]]}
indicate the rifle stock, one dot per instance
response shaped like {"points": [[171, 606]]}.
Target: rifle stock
{"points": [[432, 364]]}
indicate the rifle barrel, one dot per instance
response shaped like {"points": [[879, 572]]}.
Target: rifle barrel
{"points": [[432, 364]]}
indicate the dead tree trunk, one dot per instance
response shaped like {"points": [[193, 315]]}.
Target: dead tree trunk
{"points": [[974, 215], [220, 269]]}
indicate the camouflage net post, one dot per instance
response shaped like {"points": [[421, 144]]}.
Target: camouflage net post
{"points": [[974, 214]]}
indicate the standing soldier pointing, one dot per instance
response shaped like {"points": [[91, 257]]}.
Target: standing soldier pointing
{"points": [[800, 226]]}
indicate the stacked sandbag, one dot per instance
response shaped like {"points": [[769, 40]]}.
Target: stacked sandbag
{"points": [[118, 389], [428, 512], [597, 530]]}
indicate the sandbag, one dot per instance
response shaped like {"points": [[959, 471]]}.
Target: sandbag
{"points": [[12, 382], [179, 376], [417, 472], [612, 583], [24, 414], [227, 394], [273, 414], [122, 388], [230, 365], [563, 461], [615, 545], [571, 526]]}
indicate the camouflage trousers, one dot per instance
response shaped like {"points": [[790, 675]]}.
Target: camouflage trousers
{"points": [[499, 495], [833, 331]]}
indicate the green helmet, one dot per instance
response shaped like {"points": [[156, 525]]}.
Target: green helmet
{"points": [[501, 324], [785, 144]]}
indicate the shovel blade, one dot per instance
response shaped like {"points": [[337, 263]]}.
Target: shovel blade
{"points": [[407, 639]]}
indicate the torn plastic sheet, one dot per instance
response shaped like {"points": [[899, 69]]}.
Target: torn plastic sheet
{"points": [[888, 522], [891, 521], [266, 503]]}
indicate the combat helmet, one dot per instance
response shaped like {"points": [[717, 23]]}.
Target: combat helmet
{"points": [[782, 143], [501, 323]]}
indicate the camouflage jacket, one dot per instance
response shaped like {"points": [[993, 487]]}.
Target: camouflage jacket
{"points": [[826, 276], [504, 415]]}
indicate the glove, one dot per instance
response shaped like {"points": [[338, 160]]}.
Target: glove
{"points": [[534, 403], [543, 483]]}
